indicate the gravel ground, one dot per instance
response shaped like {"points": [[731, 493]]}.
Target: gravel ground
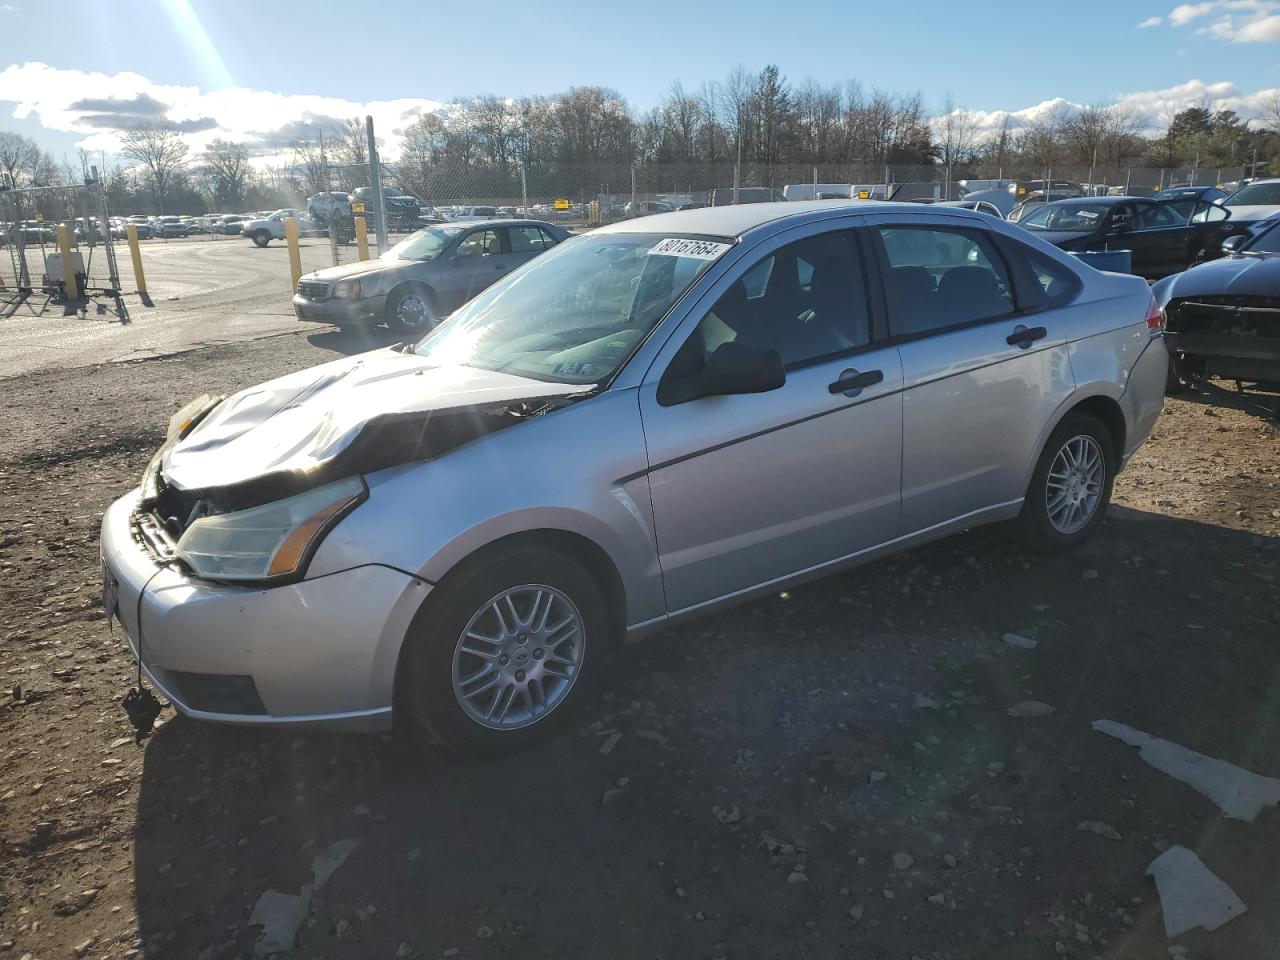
{"points": [[832, 772]]}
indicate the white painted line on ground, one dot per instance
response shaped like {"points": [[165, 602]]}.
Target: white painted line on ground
{"points": [[1240, 793]]}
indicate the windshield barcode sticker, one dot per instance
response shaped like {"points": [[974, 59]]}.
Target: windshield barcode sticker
{"points": [[697, 249]]}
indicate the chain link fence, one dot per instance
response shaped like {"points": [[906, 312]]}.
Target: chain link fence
{"points": [[30, 256]]}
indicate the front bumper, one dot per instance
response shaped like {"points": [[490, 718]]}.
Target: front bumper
{"points": [[339, 310], [318, 653]]}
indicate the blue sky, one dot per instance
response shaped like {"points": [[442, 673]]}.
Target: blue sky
{"points": [[994, 55]]}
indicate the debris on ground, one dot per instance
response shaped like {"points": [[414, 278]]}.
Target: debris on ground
{"points": [[1240, 794], [1191, 895], [1031, 709]]}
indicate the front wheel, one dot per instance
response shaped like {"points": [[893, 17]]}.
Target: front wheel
{"points": [[498, 657], [261, 237], [1071, 487], [411, 310]]}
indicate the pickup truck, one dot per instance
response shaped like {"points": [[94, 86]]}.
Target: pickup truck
{"points": [[271, 227]]}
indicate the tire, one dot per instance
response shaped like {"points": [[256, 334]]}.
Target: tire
{"points": [[445, 689], [1049, 523], [1173, 383], [261, 237], [411, 309]]}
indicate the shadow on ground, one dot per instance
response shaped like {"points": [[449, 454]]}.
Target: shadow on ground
{"points": [[771, 762], [352, 340]]}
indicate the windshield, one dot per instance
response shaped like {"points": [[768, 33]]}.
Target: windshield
{"points": [[1256, 194], [1065, 216], [1268, 241], [424, 245], [578, 311]]}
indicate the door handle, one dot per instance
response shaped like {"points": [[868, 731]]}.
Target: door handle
{"points": [[851, 382], [1024, 336]]}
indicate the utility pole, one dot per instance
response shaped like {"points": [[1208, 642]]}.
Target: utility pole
{"points": [[524, 191], [375, 184]]}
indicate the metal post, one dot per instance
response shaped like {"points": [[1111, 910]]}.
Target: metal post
{"points": [[104, 224], [295, 256], [135, 254], [362, 238], [71, 287], [737, 166], [1128, 173], [375, 183], [633, 191], [524, 192]]}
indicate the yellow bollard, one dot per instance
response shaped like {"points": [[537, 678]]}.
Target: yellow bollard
{"points": [[362, 239], [68, 266], [295, 256], [135, 254]]}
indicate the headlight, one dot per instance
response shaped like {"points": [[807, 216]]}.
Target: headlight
{"points": [[180, 423], [347, 288], [271, 542]]}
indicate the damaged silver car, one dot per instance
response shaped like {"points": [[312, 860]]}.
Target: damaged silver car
{"points": [[648, 421]]}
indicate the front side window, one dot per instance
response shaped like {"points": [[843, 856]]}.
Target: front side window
{"points": [[576, 313], [806, 301], [942, 277], [1171, 213], [480, 243]]}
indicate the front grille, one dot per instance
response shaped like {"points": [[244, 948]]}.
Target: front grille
{"points": [[149, 532], [313, 289]]}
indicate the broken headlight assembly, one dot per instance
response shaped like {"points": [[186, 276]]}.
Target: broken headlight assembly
{"points": [[273, 542], [180, 424], [347, 289]]}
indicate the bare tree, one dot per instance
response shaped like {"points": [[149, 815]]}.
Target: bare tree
{"points": [[158, 148], [954, 131], [17, 155], [226, 166], [352, 146]]}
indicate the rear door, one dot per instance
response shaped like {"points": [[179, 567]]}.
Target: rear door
{"points": [[982, 372], [751, 488], [526, 242]]}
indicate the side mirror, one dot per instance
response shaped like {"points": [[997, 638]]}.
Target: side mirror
{"points": [[733, 368], [1233, 243], [1121, 226], [463, 252]]}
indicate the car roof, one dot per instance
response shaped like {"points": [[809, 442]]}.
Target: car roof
{"points": [[1107, 201], [738, 219], [496, 222]]}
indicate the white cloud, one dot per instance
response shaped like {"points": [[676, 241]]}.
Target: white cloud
{"points": [[1237, 21], [95, 106], [1152, 108], [1150, 22]]}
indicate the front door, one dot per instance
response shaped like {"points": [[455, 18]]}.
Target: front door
{"points": [[748, 489], [980, 379], [1161, 238], [476, 262]]}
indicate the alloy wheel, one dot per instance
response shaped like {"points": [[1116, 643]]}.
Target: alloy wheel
{"points": [[1073, 488], [518, 657]]}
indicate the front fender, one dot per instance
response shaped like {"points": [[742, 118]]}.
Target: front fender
{"points": [[580, 469]]}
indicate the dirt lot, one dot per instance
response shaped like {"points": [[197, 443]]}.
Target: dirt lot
{"points": [[830, 773]]}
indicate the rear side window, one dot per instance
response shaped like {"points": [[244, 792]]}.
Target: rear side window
{"points": [[1043, 282], [528, 239], [941, 277]]}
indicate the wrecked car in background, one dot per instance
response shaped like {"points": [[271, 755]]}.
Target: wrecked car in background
{"points": [[662, 416], [1224, 316]]}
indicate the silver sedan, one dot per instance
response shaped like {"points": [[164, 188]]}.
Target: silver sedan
{"points": [[646, 422]]}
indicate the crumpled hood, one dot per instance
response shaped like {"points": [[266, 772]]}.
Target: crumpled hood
{"points": [[1230, 276], [301, 421]]}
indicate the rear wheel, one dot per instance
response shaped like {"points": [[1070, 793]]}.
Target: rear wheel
{"points": [[497, 658], [1071, 487], [261, 237], [411, 310]]}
